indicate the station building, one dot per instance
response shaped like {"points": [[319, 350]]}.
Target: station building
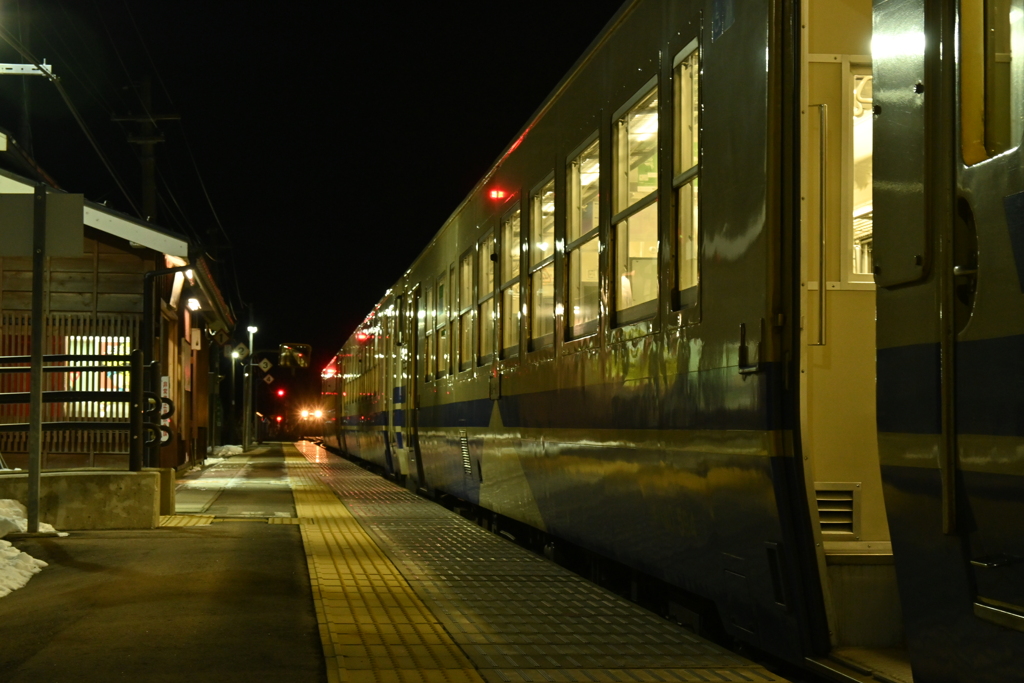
{"points": [[94, 303]]}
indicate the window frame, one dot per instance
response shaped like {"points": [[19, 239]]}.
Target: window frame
{"points": [[646, 310], [428, 330], [466, 308], [483, 296], [591, 327], [442, 295], [688, 298], [532, 269], [505, 284]]}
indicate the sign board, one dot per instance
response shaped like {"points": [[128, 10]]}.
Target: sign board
{"points": [[268, 379], [197, 339], [265, 365], [242, 350], [65, 235]]}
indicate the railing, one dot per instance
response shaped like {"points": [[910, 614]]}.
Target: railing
{"points": [[103, 382]]}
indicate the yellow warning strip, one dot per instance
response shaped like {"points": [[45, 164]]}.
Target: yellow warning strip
{"points": [[186, 520], [373, 627]]}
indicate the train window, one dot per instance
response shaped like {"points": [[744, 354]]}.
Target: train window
{"points": [[991, 77], [542, 266], [542, 224], [635, 225], [466, 306], [636, 264], [442, 353], [511, 250], [441, 336], [584, 296], [428, 326], [485, 292], [687, 175], [583, 241], [637, 162], [860, 241]]}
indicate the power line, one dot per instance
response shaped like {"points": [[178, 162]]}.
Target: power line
{"points": [[16, 44]]}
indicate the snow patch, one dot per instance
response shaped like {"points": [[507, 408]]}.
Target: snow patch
{"points": [[16, 567]]}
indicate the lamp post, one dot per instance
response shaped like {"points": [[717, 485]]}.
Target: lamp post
{"points": [[234, 392], [248, 398]]}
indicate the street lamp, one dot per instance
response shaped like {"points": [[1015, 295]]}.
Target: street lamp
{"points": [[234, 393], [248, 402]]}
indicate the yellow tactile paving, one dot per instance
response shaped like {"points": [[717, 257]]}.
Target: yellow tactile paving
{"points": [[373, 626], [186, 520]]}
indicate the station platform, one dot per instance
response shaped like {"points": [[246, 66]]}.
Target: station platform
{"points": [[292, 564]]}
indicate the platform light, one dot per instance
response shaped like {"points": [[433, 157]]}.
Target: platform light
{"points": [[193, 304], [252, 329], [189, 274]]}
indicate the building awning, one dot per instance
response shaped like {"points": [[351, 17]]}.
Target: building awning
{"points": [[108, 220]]}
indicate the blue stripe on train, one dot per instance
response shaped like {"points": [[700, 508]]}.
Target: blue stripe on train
{"points": [[989, 377]]}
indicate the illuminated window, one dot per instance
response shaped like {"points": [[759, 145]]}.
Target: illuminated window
{"points": [[441, 358], [466, 307], [583, 245], [687, 178], [116, 378], [511, 250], [991, 77], [542, 266], [485, 292], [863, 212], [635, 230], [428, 347]]}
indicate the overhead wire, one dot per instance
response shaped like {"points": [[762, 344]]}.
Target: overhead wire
{"points": [[181, 126], [16, 44]]}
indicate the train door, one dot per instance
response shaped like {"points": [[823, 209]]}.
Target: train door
{"points": [[399, 378], [413, 322], [837, 380], [987, 283]]}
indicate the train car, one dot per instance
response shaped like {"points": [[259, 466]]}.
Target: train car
{"points": [[669, 327]]}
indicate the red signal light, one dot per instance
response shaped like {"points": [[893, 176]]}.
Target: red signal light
{"points": [[278, 418], [498, 194], [280, 392], [362, 336]]}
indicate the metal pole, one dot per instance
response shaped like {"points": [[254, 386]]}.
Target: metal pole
{"points": [[246, 395], [138, 436], [35, 434]]}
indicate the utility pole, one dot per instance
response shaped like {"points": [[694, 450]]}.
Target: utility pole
{"points": [[147, 137]]}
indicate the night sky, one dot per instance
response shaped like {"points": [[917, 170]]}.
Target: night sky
{"points": [[333, 139]]}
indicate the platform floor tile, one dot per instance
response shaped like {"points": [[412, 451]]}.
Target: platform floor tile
{"points": [[186, 520], [374, 627], [516, 616]]}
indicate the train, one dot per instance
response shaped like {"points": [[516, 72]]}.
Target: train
{"points": [[669, 327]]}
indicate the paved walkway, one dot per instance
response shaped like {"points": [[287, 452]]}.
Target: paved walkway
{"points": [[290, 564], [226, 602]]}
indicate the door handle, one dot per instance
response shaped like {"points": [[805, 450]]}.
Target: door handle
{"points": [[963, 271], [822, 214]]}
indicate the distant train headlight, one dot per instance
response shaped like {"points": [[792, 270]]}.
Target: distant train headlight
{"points": [[305, 414], [318, 414]]}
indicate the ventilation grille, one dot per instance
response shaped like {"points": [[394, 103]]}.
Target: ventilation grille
{"points": [[835, 510], [467, 464]]}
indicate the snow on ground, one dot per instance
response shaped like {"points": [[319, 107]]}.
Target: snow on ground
{"points": [[16, 567], [223, 451]]}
